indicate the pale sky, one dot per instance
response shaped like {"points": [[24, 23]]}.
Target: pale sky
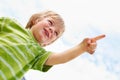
{"points": [[83, 18]]}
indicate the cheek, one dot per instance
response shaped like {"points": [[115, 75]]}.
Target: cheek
{"points": [[43, 23], [40, 24], [54, 39]]}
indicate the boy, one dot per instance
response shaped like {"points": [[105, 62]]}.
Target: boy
{"points": [[21, 49]]}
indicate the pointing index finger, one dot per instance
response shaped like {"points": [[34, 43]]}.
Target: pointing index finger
{"points": [[98, 37]]}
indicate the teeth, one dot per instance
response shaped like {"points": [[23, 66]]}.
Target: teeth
{"points": [[46, 32]]}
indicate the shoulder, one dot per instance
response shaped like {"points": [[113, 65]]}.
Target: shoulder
{"points": [[9, 20], [5, 19], [9, 24]]}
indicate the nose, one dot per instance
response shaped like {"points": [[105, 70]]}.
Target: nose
{"points": [[52, 29]]}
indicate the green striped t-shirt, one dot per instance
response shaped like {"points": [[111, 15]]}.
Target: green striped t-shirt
{"points": [[19, 51]]}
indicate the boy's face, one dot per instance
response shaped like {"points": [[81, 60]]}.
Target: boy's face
{"points": [[46, 30]]}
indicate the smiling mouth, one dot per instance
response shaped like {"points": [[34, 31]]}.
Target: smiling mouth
{"points": [[46, 32]]}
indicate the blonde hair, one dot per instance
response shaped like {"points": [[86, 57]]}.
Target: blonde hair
{"points": [[43, 15]]}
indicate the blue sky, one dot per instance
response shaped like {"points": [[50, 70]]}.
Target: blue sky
{"points": [[83, 18]]}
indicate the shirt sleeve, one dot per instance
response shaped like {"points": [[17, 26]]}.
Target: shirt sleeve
{"points": [[2, 22], [40, 61], [9, 24]]}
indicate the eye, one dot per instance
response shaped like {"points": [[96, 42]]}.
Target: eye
{"points": [[56, 33], [50, 22]]}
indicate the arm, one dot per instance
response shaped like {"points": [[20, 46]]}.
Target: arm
{"points": [[87, 45]]}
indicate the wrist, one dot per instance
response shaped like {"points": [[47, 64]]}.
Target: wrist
{"points": [[81, 48]]}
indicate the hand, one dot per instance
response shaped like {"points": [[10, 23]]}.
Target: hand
{"points": [[89, 44]]}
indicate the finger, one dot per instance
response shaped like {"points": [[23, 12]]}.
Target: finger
{"points": [[98, 37], [93, 45]]}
